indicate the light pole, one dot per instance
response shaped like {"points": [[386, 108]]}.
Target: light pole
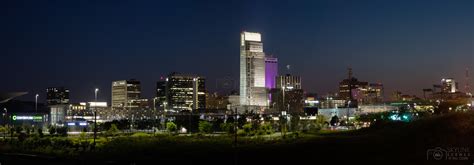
{"points": [[36, 103], [95, 115], [5, 115]]}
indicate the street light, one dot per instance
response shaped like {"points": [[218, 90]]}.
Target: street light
{"points": [[95, 115], [5, 122], [36, 102]]}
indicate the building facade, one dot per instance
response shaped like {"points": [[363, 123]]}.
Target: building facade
{"points": [[449, 85], [288, 95], [214, 101], [57, 95], [357, 92], [288, 82], [252, 71], [160, 99], [271, 72], [126, 94], [182, 92]]}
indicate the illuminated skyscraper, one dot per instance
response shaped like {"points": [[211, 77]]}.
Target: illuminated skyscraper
{"points": [[449, 85], [182, 92], [126, 94], [271, 71], [252, 70]]}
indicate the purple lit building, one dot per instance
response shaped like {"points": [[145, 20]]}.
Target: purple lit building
{"points": [[271, 71]]}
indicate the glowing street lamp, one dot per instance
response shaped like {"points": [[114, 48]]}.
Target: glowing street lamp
{"points": [[36, 102]]}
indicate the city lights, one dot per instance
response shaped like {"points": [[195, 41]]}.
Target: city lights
{"points": [[164, 82]]}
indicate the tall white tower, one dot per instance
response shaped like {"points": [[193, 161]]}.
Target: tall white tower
{"points": [[252, 70]]}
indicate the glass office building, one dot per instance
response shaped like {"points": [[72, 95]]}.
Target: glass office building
{"points": [[252, 70]]}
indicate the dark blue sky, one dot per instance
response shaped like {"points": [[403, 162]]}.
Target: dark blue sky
{"points": [[407, 45]]}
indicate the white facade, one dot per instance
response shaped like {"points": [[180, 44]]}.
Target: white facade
{"points": [[449, 85], [252, 70]]}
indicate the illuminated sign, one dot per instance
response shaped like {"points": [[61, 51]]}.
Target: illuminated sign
{"points": [[249, 36], [35, 118], [74, 124], [311, 101], [98, 104]]}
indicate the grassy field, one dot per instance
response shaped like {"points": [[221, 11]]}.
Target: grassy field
{"points": [[385, 143]]}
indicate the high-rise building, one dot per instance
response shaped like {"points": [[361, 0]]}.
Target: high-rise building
{"points": [[449, 85], [160, 99], [358, 92], [182, 92], [126, 94], [352, 89], [57, 95], [374, 93], [252, 70], [271, 72], [288, 94], [288, 82]]}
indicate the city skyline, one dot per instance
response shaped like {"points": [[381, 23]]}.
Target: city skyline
{"points": [[400, 53]]}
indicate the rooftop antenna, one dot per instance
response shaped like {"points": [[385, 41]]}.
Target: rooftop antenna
{"points": [[288, 68], [467, 88], [349, 70], [349, 73]]}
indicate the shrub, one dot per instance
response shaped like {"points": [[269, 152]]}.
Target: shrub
{"points": [[228, 128], [141, 134], [247, 128], [241, 132], [266, 129], [205, 127], [171, 127], [113, 130]]}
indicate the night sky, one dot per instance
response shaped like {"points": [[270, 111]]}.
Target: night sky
{"points": [[405, 45]]}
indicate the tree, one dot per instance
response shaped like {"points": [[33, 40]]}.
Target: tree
{"points": [[320, 120], [113, 130], [334, 120], [62, 131], [241, 121], [3, 129], [52, 130], [295, 122], [283, 128], [18, 129], [171, 127], [205, 127], [40, 132], [27, 129]]}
